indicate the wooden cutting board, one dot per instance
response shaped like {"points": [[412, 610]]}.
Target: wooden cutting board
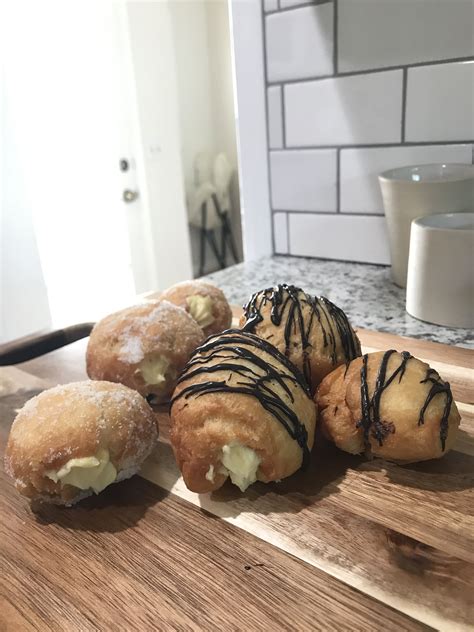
{"points": [[401, 535]]}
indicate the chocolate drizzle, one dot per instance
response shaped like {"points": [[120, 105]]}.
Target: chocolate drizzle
{"points": [[438, 387], [288, 301], [235, 352], [349, 341], [370, 420], [370, 406]]}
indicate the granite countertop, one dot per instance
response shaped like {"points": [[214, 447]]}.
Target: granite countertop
{"points": [[365, 292]]}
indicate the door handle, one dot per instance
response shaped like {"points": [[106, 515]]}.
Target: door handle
{"points": [[129, 196]]}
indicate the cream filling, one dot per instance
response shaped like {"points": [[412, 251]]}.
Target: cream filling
{"points": [[88, 472], [153, 370], [241, 464], [200, 308], [210, 473]]}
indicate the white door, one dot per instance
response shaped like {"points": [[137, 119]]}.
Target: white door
{"points": [[83, 94]]}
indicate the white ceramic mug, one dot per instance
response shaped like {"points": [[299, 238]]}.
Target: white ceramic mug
{"points": [[440, 284], [415, 191]]}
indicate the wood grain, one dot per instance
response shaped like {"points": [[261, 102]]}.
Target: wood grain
{"points": [[306, 517], [349, 544], [136, 558], [465, 438], [58, 367], [432, 351], [40, 343]]}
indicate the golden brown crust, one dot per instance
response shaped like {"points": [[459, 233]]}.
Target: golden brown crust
{"points": [[324, 351], [179, 293], [121, 341], [201, 426], [405, 440], [74, 421]]}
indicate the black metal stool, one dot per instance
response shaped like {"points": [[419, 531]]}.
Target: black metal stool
{"points": [[227, 238]]}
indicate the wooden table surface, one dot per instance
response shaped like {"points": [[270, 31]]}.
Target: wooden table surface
{"points": [[348, 545]]}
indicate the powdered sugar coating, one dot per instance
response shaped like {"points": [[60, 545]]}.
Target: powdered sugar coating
{"points": [[73, 421], [131, 350], [156, 331], [131, 338], [221, 312]]}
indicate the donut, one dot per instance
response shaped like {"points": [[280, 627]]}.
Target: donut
{"points": [[311, 331], [144, 347], [389, 405], [242, 411], [74, 440], [204, 302]]}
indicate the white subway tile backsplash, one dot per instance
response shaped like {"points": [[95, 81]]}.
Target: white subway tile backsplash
{"points": [[304, 180], [359, 186], [345, 110], [377, 33], [440, 102], [270, 5], [346, 237], [275, 118], [280, 233], [328, 131], [299, 43], [285, 4]]}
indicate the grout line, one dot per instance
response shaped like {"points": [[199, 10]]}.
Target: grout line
{"points": [[338, 180], [404, 104], [335, 43], [370, 71], [283, 115], [300, 5], [269, 176], [327, 213], [288, 233], [413, 143]]}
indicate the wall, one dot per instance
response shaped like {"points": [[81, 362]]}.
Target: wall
{"points": [[189, 23], [23, 300], [249, 77], [160, 170], [65, 251], [204, 78], [354, 87], [65, 231]]}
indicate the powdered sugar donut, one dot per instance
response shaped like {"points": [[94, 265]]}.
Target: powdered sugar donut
{"points": [[74, 440], [205, 302], [144, 347]]}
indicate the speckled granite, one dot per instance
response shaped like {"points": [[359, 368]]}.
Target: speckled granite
{"points": [[365, 292]]}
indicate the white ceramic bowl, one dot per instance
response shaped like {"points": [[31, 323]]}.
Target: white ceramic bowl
{"points": [[448, 172], [440, 284], [418, 190]]}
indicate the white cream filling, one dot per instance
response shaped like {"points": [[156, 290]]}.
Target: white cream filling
{"points": [[89, 472], [200, 308], [241, 464], [210, 473], [153, 370]]}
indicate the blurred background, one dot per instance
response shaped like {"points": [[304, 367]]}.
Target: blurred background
{"points": [[144, 143], [113, 116]]}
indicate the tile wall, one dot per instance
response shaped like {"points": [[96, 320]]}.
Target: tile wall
{"points": [[355, 87]]}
